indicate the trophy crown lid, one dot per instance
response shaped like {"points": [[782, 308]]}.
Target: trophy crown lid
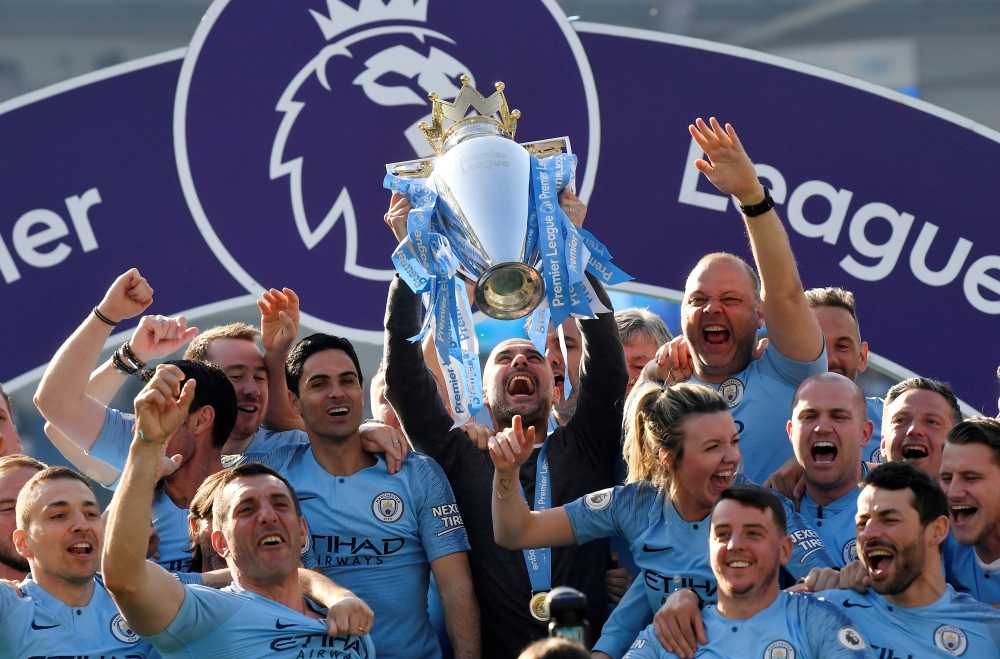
{"points": [[456, 111]]}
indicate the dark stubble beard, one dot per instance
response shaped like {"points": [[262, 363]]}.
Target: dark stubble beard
{"points": [[771, 577], [909, 561], [13, 560]]}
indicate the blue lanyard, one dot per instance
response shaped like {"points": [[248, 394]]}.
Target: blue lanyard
{"points": [[539, 561]]}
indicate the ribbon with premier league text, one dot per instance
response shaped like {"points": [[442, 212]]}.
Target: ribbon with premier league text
{"points": [[539, 561], [426, 262]]}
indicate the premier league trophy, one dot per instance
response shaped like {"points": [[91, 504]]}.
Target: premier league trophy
{"points": [[486, 208]]}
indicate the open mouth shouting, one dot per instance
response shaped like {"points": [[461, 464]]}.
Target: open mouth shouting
{"points": [[271, 540], [914, 451], [521, 386], [879, 560], [715, 335], [824, 453], [962, 513], [721, 479], [82, 548], [559, 381]]}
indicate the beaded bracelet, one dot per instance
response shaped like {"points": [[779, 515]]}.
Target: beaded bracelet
{"points": [[130, 356], [121, 366]]}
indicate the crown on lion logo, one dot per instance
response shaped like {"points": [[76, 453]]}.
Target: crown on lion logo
{"points": [[342, 18], [457, 109]]}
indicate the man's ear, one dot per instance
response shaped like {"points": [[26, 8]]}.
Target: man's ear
{"points": [[937, 531], [760, 315], [21, 544], [304, 530], [786, 550], [202, 419], [867, 432], [293, 402], [219, 544], [863, 361]]}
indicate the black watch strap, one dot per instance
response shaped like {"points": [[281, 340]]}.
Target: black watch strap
{"points": [[761, 208]]}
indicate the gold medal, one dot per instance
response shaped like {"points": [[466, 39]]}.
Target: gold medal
{"points": [[537, 606]]}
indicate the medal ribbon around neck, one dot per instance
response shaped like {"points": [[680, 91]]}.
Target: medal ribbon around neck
{"points": [[539, 561]]}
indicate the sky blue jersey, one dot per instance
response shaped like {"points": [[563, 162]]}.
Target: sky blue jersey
{"points": [[835, 523], [967, 574], [872, 452], [268, 440], [792, 627], [171, 522], [377, 534], [954, 626], [760, 398], [233, 623], [42, 627], [670, 552]]}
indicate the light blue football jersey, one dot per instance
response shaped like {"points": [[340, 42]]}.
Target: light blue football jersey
{"points": [[963, 571], [954, 626], [670, 552], [233, 623], [760, 398], [792, 627], [40, 626], [377, 534], [835, 523], [872, 452], [171, 522], [268, 440]]}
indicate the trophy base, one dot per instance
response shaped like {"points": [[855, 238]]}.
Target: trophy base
{"points": [[508, 291]]}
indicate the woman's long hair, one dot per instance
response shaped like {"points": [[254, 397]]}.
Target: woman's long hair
{"points": [[654, 415]]}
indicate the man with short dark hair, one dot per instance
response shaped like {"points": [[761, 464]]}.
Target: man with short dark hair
{"points": [[828, 430], [754, 617], [642, 332], [10, 442], [204, 558], [970, 477], [517, 380], [260, 532], [15, 471], [918, 414], [846, 353], [66, 610], [908, 609], [378, 534]]}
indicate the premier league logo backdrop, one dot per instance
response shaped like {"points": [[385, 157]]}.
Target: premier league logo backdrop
{"points": [[286, 113]]}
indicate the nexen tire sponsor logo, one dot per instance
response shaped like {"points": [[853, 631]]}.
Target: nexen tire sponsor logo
{"points": [[449, 516], [337, 550]]}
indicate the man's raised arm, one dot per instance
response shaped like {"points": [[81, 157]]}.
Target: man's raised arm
{"points": [[73, 400], [146, 594], [791, 326]]}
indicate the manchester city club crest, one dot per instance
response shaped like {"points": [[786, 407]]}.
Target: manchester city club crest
{"points": [[286, 113], [732, 391], [850, 551], [121, 631], [951, 640], [779, 650], [387, 507], [599, 500]]}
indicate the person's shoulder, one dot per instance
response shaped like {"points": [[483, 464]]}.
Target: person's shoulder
{"points": [[280, 457], [419, 470], [965, 603]]}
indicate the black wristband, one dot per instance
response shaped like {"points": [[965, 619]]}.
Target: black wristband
{"points": [[121, 366], [130, 356], [761, 208], [104, 319]]}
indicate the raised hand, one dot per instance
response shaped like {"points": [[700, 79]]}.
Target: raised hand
{"points": [[162, 405], [158, 336], [512, 447], [279, 319], [128, 297], [478, 434], [575, 209], [730, 169], [399, 210]]}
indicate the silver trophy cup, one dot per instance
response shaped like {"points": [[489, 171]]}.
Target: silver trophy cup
{"points": [[482, 178]]}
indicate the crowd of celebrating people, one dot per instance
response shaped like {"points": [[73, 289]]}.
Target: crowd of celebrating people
{"points": [[712, 494]]}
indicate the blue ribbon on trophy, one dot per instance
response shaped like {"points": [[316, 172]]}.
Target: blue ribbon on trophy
{"points": [[487, 208]]}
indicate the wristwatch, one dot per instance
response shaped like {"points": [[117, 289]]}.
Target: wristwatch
{"points": [[761, 208]]}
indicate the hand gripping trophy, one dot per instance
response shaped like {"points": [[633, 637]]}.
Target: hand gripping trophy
{"points": [[486, 208]]}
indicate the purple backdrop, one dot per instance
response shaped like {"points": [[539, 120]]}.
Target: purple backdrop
{"points": [[195, 168]]}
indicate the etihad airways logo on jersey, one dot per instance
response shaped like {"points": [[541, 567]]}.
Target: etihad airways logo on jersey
{"points": [[318, 645], [705, 588], [333, 550]]}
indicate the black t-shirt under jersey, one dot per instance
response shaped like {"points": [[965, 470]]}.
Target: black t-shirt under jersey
{"points": [[582, 458]]}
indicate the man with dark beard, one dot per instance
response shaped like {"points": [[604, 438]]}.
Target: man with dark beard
{"points": [[908, 609], [15, 471], [580, 456]]}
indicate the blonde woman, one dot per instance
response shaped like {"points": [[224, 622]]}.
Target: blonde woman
{"points": [[682, 451]]}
